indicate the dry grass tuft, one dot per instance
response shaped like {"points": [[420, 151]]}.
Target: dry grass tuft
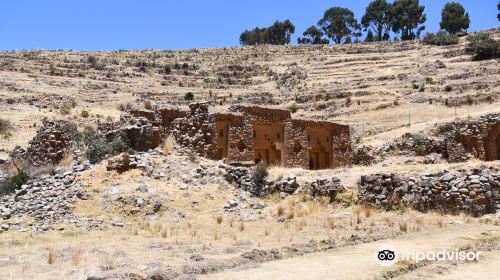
{"points": [[67, 160], [301, 224], [76, 257], [403, 225], [52, 257], [219, 219], [164, 233], [242, 227], [368, 211], [280, 211], [108, 262], [169, 145], [357, 216], [330, 223]]}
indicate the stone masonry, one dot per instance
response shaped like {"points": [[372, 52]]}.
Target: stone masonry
{"points": [[246, 135], [475, 191]]}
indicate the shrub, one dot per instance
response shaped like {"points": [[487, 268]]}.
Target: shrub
{"points": [[189, 96], [12, 183], [96, 146], [430, 80], [440, 39], [260, 171], [448, 88], [92, 60], [65, 108], [482, 46], [294, 108], [84, 114], [124, 107], [166, 69], [4, 126], [121, 143]]}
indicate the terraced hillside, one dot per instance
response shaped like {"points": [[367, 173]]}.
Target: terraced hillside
{"points": [[377, 88]]}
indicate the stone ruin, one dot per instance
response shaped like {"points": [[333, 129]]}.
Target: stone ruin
{"points": [[140, 131], [49, 145], [455, 141], [245, 135], [478, 138], [475, 191]]}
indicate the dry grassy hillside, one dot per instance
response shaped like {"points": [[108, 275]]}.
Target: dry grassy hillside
{"points": [[375, 87], [176, 215]]}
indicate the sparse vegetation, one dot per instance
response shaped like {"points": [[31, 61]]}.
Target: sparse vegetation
{"points": [[482, 47], [14, 182], [84, 114], [96, 146], [440, 39], [5, 127], [260, 171], [189, 96]]}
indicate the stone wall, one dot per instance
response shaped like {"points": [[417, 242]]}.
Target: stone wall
{"points": [[197, 130], [143, 134], [166, 116], [475, 191], [148, 114], [49, 145], [296, 145], [240, 143], [478, 138], [456, 141]]}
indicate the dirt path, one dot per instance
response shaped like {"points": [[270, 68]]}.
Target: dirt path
{"points": [[486, 268], [357, 262]]}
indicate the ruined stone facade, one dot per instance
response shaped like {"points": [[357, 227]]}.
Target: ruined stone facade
{"points": [[478, 138], [248, 134]]}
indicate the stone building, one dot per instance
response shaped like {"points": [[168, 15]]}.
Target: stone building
{"points": [[245, 135]]}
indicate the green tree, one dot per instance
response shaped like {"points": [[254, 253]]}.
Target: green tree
{"points": [[378, 17], [369, 36], [256, 36], [498, 8], [312, 35], [408, 16], [340, 25], [279, 33], [454, 18]]}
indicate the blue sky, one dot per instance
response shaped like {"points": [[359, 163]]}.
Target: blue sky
{"points": [[154, 24]]}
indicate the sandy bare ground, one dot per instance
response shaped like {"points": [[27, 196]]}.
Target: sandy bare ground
{"points": [[358, 262]]}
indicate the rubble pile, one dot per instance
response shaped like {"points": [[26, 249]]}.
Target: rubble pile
{"points": [[48, 200], [244, 179]]}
